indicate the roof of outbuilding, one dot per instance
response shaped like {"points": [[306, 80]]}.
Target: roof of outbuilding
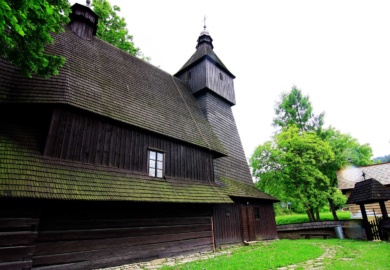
{"points": [[348, 177], [369, 191], [103, 79]]}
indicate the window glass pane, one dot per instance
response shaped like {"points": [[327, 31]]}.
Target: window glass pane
{"points": [[160, 156], [152, 155], [159, 174], [152, 164], [152, 172], [159, 165]]}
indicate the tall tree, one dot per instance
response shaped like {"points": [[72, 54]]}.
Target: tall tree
{"points": [[25, 29], [289, 168], [296, 109], [112, 28], [347, 150]]}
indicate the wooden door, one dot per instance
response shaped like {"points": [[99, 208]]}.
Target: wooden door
{"points": [[247, 222]]}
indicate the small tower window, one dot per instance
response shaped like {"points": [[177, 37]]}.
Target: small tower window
{"points": [[220, 76], [188, 75], [156, 164]]}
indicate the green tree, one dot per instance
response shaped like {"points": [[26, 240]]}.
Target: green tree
{"points": [[347, 150], [289, 168], [25, 29], [296, 109], [112, 28]]}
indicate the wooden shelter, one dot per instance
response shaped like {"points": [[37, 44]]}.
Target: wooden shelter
{"points": [[115, 161], [366, 192], [348, 177]]}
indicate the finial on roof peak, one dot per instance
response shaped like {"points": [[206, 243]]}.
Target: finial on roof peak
{"points": [[204, 22]]}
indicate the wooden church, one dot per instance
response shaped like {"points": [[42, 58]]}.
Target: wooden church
{"points": [[115, 161]]}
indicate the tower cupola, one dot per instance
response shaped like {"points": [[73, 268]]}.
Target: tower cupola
{"points": [[205, 72]]}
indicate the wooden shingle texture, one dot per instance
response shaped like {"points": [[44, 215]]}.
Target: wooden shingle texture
{"points": [[369, 191], [347, 178], [102, 79], [26, 173]]}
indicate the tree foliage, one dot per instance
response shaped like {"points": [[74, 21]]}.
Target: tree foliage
{"points": [[296, 109], [112, 28], [289, 168], [25, 29], [301, 162]]}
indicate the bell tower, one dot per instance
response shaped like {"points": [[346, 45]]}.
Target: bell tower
{"points": [[212, 84]]}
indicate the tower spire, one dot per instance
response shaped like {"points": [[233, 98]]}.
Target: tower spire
{"points": [[204, 22]]}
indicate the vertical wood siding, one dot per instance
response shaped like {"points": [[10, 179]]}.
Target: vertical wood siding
{"points": [[81, 235], [265, 227], [224, 87], [78, 137], [227, 224], [197, 81]]}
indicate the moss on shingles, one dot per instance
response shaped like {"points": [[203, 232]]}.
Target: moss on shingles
{"points": [[24, 172]]}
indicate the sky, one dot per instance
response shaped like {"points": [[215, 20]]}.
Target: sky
{"points": [[336, 52]]}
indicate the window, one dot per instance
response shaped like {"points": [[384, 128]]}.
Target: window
{"points": [[156, 164], [257, 212], [188, 75], [220, 76]]}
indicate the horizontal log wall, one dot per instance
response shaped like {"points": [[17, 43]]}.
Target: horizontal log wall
{"points": [[82, 137], [227, 224], [18, 232], [91, 235]]}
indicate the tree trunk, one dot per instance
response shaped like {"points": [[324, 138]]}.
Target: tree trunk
{"points": [[318, 218], [333, 209], [310, 214]]}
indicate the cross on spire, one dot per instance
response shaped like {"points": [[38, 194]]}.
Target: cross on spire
{"points": [[204, 22]]}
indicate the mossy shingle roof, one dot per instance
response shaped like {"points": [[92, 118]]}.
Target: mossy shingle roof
{"points": [[26, 173], [102, 79]]}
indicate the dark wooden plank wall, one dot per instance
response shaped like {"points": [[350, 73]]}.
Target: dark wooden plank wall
{"points": [[18, 232], [265, 227], [82, 137], [227, 224], [224, 87], [198, 77], [90, 235]]}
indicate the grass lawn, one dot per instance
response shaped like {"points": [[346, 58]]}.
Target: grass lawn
{"points": [[350, 254], [300, 218]]}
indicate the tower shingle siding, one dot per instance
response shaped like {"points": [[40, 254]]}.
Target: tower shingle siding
{"points": [[219, 114]]}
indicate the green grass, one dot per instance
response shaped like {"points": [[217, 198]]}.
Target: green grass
{"points": [[301, 218], [264, 255], [350, 254]]}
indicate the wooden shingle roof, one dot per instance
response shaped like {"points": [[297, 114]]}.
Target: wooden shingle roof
{"points": [[204, 51], [103, 79], [369, 191], [348, 177], [26, 173], [238, 189]]}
